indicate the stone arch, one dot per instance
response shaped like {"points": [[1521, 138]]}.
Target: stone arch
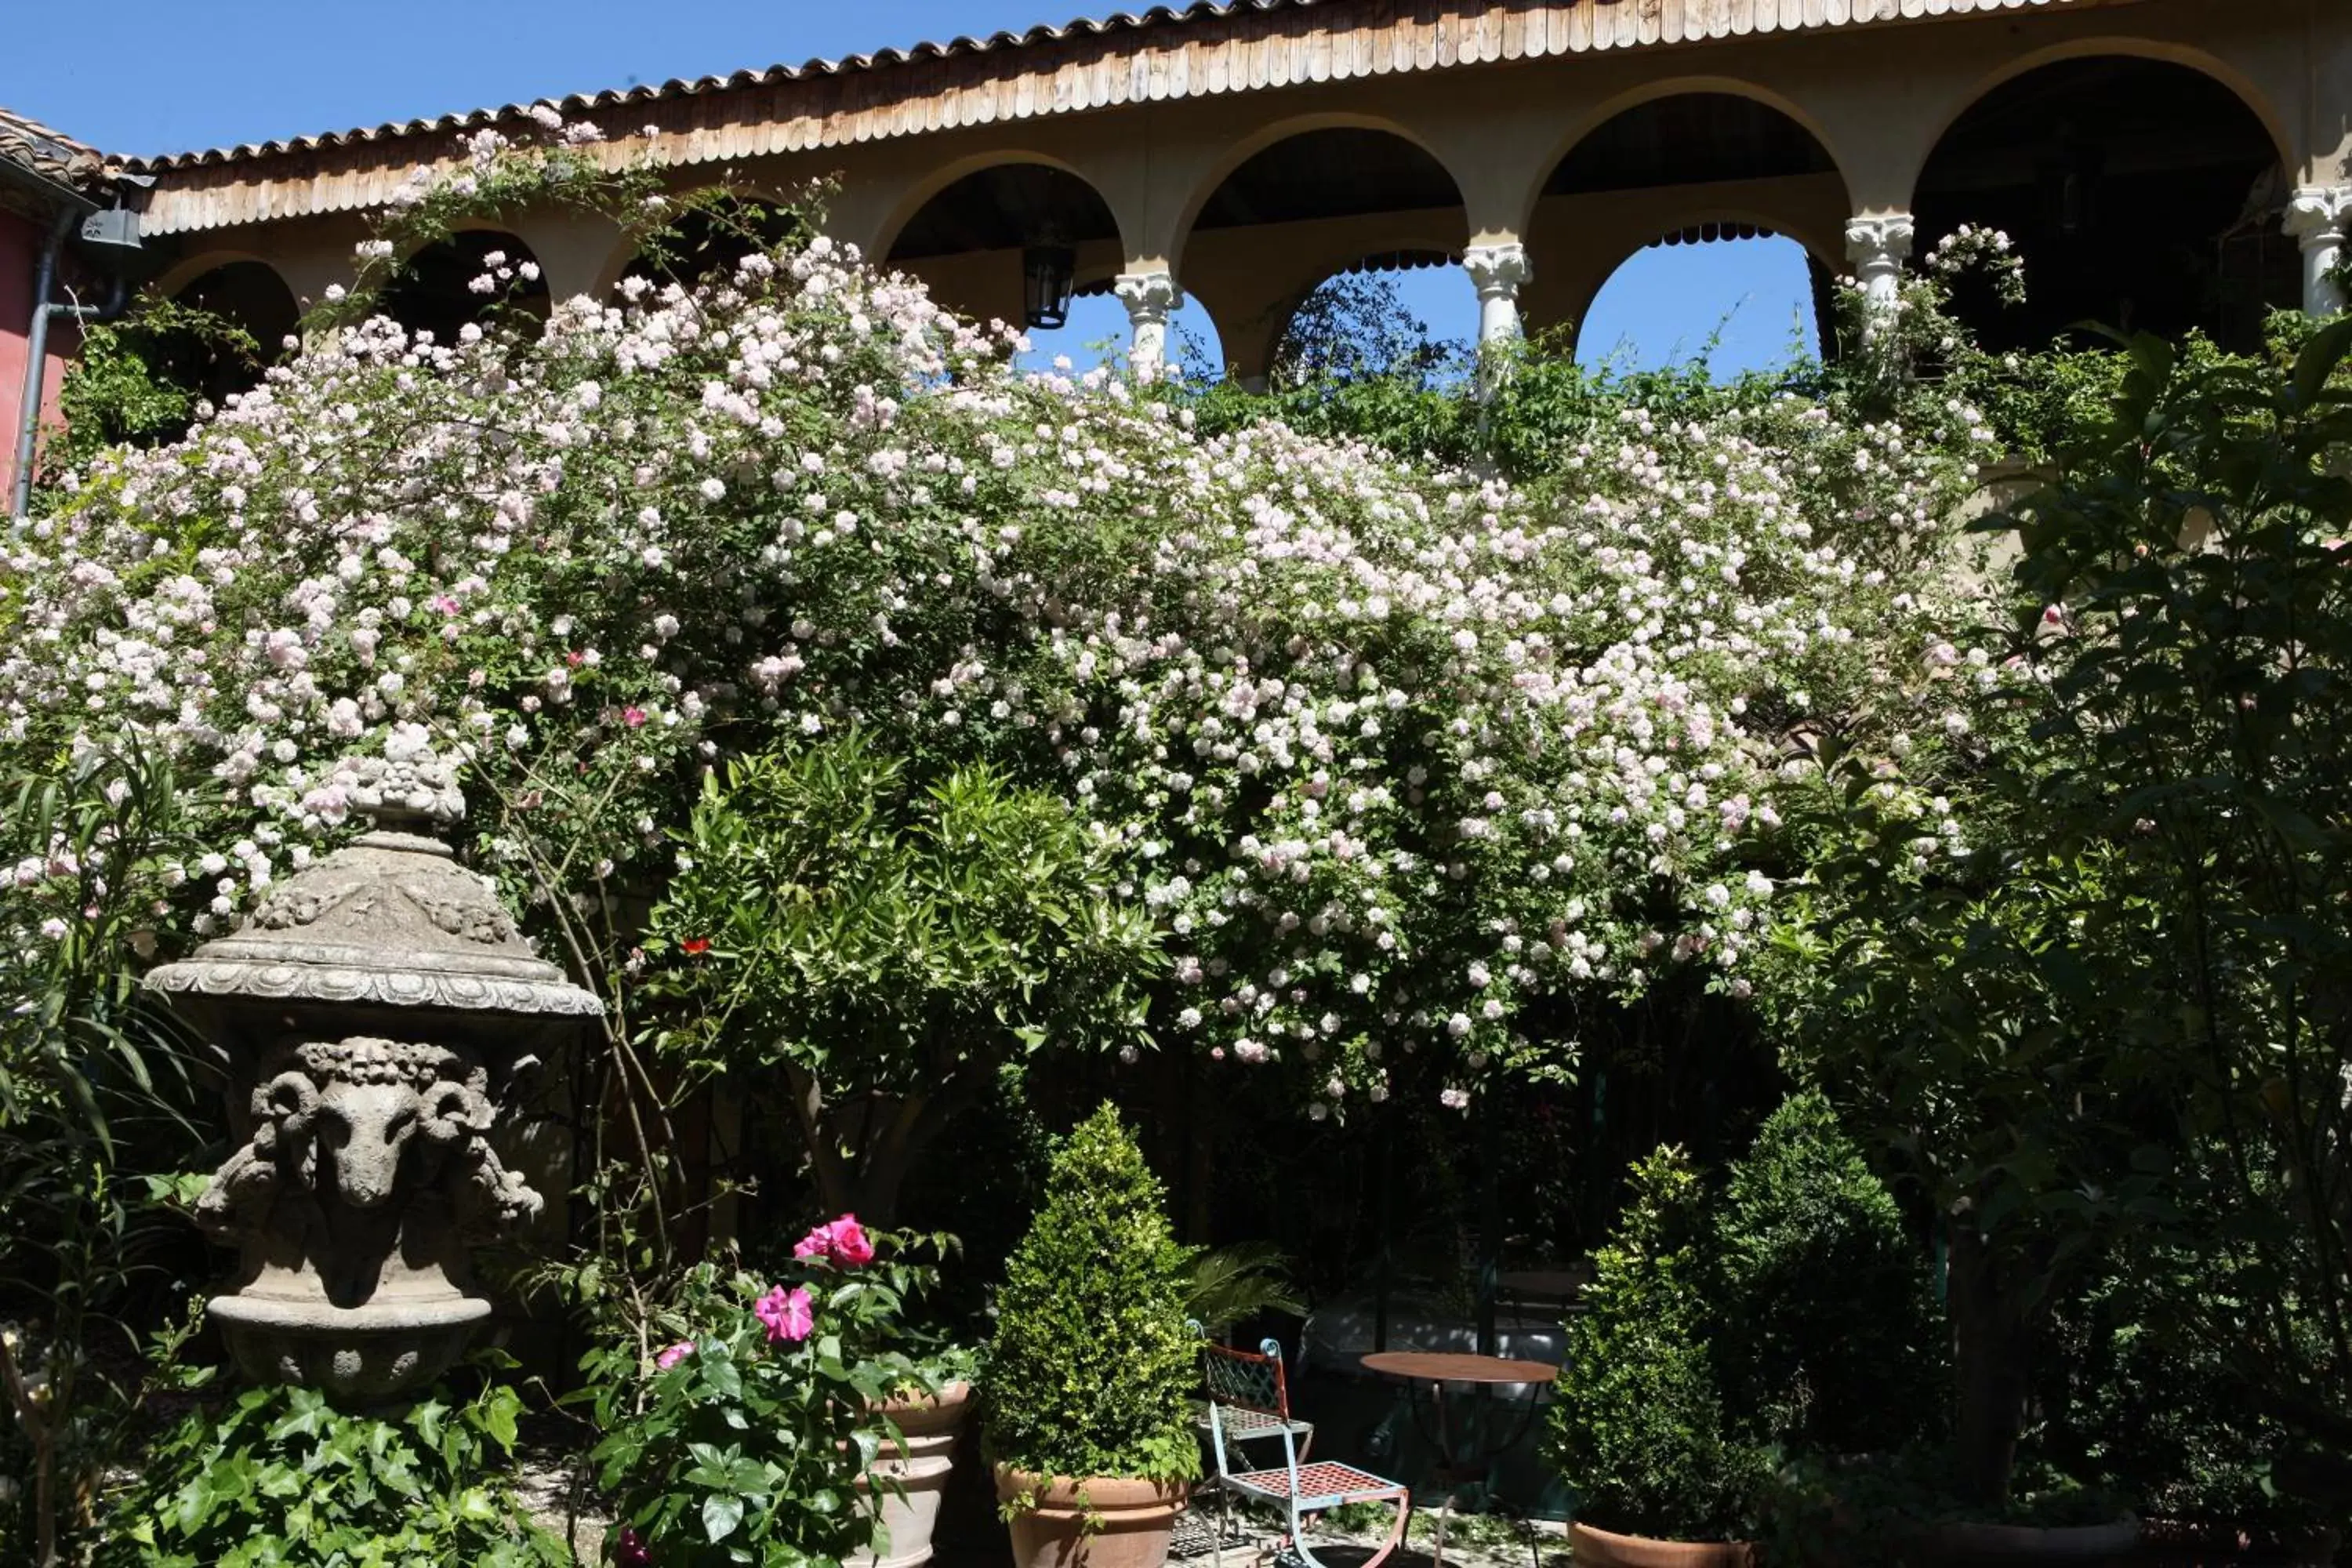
{"points": [[707, 243], [1634, 99], [1652, 163], [431, 291], [1232, 158], [2142, 187], [1569, 301], [243, 290], [1934, 128], [968, 239], [1251, 322], [1300, 204], [1825, 245], [188, 269], [937, 180]]}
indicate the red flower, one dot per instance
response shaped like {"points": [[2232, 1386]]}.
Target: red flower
{"points": [[695, 946], [843, 1241], [789, 1315]]}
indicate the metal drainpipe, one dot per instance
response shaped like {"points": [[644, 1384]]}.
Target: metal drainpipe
{"points": [[37, 352]]}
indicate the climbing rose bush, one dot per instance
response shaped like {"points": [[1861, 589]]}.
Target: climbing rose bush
{"points": [[1393, 754]]}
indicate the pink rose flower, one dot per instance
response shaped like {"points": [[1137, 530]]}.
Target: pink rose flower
{"points": [[675, 1354], [787, 1314], [843, 1241]]}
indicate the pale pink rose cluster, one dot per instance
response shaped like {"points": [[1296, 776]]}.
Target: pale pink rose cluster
{"points": [[1389, 752]]}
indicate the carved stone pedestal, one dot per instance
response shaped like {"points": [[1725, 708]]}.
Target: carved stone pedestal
{"points": [[380, 1013]]}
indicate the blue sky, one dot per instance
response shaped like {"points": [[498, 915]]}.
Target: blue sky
{"points": [[145, 77]]}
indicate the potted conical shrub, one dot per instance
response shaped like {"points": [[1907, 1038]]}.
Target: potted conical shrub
{"points": [[1664, 1478], [1084, 1390]]}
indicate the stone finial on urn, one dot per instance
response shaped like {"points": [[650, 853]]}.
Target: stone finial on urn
{"points": [[381, 1013]]}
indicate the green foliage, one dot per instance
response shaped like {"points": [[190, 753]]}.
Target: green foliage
{"points": [[1639, 1426], [890, 941], [1874, 1511], [138, 380], [2117, 1015], [1229, 1285], [1355, 327], [96, 1097], [280, 1477], [1788, 1321], [744, 1441], [1829, 1320], [1092, 1363], [2192, 706], [2162, 1416]]}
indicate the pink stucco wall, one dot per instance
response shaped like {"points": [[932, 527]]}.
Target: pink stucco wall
{"points": [[20, 246]]}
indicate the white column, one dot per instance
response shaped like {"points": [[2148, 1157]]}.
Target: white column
{"points": [[1497, 271], [1878, 246], [2316, 217], [1148, 297]]}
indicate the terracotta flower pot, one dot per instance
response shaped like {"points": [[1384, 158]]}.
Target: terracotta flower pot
{"points": [[1590, 1548], [1135, 1520], [920, 1463]]}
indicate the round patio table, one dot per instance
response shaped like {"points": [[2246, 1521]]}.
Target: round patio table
{"points": [[1441, 1370]]}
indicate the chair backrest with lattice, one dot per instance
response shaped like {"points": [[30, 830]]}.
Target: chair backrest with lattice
{"points": [[1241, 1381], [1250, 1382]]}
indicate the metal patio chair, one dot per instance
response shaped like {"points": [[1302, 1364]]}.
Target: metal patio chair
{"points": [[1249, 1399], [1255, 1393]]}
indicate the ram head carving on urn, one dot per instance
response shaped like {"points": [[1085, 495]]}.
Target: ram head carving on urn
{"points": [[381, 1015]]}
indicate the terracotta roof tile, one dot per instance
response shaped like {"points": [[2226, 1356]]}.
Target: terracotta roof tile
{"points": [[585, 103], [32, 145]]}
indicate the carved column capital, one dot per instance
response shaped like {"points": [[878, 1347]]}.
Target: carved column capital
{"points": [[1882, 240], [2316, 213], [1497, 272], [1150, 298], [2318, 218], [1878, 244], [1147, 296], [1498, 269]]}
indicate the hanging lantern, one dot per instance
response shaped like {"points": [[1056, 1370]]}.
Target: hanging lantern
{"points": [[1049, 271]]}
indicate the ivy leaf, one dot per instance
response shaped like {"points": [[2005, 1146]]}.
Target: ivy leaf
{"points": [[498, 1416], [427, 1419]]}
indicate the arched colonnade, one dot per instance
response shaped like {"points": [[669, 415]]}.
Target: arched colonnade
{"points": [[2126, 160]]}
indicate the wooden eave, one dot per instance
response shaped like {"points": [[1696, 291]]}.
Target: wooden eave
{"points": [[1207, 50]]}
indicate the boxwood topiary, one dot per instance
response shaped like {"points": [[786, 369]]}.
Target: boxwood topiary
{"points": [[1092, 1363], [1829, 1339], [1638, 1427]]}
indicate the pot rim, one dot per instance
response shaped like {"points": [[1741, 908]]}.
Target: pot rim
{"points": [[950, 1396], [1744, 1550], [1104, 1494]]}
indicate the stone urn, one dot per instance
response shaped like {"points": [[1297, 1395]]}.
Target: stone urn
{"points": [[378, 1014], [917, 1457]]}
